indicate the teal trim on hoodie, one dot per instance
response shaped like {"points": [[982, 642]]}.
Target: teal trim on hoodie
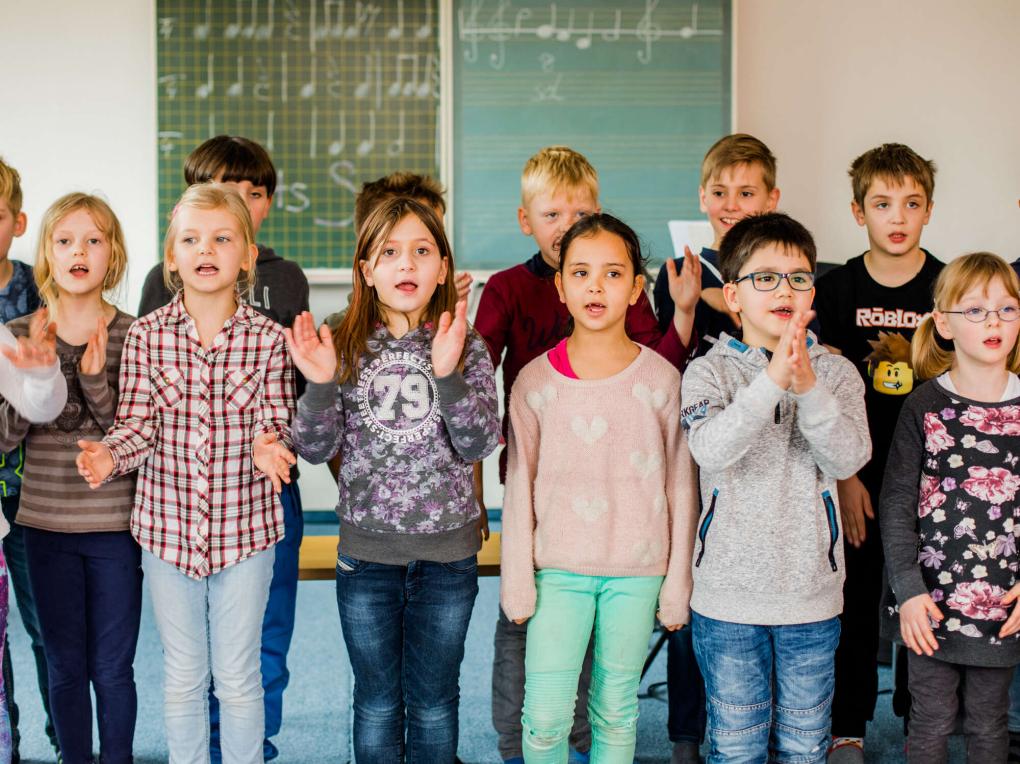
{"points": [[768, 550]]}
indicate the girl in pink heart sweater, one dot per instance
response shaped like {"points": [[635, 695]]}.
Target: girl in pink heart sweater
{"points": [[601, 502]]}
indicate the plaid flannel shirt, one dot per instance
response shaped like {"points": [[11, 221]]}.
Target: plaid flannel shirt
{"points": [[187, 419]]}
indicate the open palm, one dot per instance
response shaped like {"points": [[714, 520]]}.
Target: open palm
{"points": [[312, 350], [448, 344]]}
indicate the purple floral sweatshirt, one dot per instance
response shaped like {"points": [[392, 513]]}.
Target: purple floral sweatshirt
{"points": [[407, 442], [950, 518]]}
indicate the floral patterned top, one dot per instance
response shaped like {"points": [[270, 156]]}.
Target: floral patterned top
{"points": [[407, 442], [950, 518]]}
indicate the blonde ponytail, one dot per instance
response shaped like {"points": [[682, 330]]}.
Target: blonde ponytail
{"points": [[926, 357]]}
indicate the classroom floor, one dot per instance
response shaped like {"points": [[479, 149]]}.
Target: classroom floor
{"points": [[317, 704]]}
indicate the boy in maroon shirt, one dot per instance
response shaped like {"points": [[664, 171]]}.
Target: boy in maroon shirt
{"points": [[520, 313]]}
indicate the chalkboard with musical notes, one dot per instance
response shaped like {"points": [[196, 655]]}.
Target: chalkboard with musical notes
{"points": [[641, 88], [338, 92]]}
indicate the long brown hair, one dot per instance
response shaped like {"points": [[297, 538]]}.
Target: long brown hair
{"points": [[928, 358], [365, 311]]}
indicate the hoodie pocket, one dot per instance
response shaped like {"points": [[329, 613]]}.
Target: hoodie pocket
{"points": [[706, 521], [830, 516]]}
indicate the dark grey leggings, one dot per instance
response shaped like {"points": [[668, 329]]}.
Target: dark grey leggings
{"points": [[933, 685]]}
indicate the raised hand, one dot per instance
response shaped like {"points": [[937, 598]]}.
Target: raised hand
{"points": [[916, 615], [685, 286], [39, 349], [273, 459], [448, 344], [313, 352], [463, 284], [93, 361], [95, 462], [802, 376]]}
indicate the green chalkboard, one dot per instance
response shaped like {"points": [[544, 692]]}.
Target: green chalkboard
{"points": [[640, 88], [339, 92]]}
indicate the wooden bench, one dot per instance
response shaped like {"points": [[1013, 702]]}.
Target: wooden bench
{"points": [[318, 558]]}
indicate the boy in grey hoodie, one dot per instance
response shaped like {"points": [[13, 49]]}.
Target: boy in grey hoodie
{"points": [[773, 421]]}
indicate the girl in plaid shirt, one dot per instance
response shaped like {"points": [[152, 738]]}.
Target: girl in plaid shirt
{"points": [[207, 391], [409, 408]]}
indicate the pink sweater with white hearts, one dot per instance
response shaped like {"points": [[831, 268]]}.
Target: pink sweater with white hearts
{"points": [[599, 482]]}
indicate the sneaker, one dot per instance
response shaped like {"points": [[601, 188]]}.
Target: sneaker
{"points": [[685, 752], [269, 751], [846, 750]]}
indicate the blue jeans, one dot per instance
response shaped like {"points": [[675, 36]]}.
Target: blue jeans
{"points": [[277, 625], [404, 627], [769, 689], [88, 594], [210, 629]]}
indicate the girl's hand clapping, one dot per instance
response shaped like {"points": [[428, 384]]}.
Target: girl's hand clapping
{"points": [[313, 352], [448, 344], [39, 349], [94, 359]]}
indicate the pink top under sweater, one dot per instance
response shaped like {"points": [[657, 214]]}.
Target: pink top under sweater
{"points": [[599, 482]]}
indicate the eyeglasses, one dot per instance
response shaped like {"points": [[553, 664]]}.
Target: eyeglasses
{"points": [[768, 281], [978, 315]]}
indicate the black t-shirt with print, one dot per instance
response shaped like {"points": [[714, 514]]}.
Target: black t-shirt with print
{"points": [[873, 325]]}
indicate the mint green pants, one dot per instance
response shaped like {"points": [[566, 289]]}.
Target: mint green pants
{"points": [[622, 611]]}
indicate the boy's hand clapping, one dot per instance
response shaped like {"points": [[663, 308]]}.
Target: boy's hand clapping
{"points": [[93, 361], [916, 615], [273, 459], [790, 367], [448, 344], [39, 348], [313, 352], [95, 462]]}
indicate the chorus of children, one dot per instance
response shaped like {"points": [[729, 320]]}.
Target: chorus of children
{"points": [[775, 467]]}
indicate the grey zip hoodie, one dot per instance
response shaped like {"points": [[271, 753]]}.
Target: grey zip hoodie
{"points": [[769, 549]]}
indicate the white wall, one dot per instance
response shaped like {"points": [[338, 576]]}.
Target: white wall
{"points": [[822, 82], [78, 113]]}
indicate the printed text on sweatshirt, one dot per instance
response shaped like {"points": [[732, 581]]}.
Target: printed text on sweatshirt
{"points": [[599, 482]]}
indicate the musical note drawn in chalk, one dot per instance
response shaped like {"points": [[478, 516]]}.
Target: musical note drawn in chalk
{"points": [[396, 146], [546, 31], [563, 34], [308, 89], [167, 140], [249, 30], [396, 31], [206, 88], [584, 41], [613, 33], [167, 24], [425, 30], [234, 28], [265, 31], [336, 146], [169, 83], [201, 31], [367, 144], [237, 86], [365, 15], [335, 78], [648, 31], [372, 84], [429, 85], [263, 89], [399, 86]]}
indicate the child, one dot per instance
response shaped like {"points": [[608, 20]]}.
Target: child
{"points": [[18, 297], [949, 503], [520, 312], [410, 406], [868, 310], [738, 178], [631, 518], [83, 564], [206, 394], [278, 291], [772, 422]]}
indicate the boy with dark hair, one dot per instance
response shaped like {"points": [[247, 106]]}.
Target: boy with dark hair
{"points": [[280, 293], [768, 572], [868, 310]]}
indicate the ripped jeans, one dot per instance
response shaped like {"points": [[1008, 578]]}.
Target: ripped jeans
{"points": [[769, 689], [622, 611]]}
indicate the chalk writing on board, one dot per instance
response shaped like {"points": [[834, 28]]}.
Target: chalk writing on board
{"points": [[339, 91], [485, 21]]}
